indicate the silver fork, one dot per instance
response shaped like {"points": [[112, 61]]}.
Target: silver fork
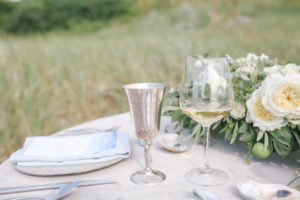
{"points": [[62, 192]]}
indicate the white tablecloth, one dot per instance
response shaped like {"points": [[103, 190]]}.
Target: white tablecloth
{"points": [[174, 165]]}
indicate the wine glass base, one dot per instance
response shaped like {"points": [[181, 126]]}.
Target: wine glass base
{"points": [[212, 177], [145, 177]]}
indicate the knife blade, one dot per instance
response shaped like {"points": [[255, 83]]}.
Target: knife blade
{"points": [[9, 190]]}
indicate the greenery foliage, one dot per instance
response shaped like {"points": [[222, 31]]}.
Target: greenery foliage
{"points": [[44, 15], [282, 141], [297, 176]]}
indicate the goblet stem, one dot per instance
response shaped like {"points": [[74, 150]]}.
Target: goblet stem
{"points": [[206, 168], [147, 147]]}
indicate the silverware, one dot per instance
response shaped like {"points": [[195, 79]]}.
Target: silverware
{"points": [[62, 192], [9, 190], [204, 195]]}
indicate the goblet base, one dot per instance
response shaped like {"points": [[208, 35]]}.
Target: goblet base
{"points": [[211, 177], [146, 177]]}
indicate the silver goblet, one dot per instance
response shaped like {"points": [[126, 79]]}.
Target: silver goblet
{"points": [[145, 102]]}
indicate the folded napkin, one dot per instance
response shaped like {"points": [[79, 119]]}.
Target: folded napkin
{"points": [[72, 149]]}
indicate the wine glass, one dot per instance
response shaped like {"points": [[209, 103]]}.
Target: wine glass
{"points": [[145, 102], [206, 95]]}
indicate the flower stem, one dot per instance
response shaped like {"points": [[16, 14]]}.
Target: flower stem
{"points": [[293, 180]]}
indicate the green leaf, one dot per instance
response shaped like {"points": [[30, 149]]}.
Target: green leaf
{"points": [[171, 95], [297, 138], [170, 108], [216, 124], [293, 126], [198, 135], [235, 133], [282, 136], [243, 128], [196, 129], [259, 135], [177, 115], [282, 141], [245, 77], [247, 136], [281, 149], [266, 140], [179, 126], [224, 129], [228, 134]]}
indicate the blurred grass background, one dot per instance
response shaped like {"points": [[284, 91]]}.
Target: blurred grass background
{"points": [[60, 67]]}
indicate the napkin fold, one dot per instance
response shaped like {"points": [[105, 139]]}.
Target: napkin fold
{"points": [[72, 149]]}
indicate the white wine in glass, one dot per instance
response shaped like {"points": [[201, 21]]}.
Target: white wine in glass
{"points": [[204, 117], [206, 95]]}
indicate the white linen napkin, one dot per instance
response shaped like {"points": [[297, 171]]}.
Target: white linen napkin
{"points": [[72, 149]]}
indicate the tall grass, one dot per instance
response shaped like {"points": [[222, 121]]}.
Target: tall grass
{"points": [[50, 82]]}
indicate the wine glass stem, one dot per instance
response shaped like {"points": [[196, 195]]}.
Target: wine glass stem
{"points": [[147, 155], [206, 147]]}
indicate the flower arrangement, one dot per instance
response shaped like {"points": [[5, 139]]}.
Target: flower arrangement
{"points": [[266, 111]]}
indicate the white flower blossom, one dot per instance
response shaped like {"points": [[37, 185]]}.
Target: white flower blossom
{"points": [[249, 63], [238, 110], [285, 70], [274, 69], [282, 95], [250, 70], [252, 56], [264, 57], [262, 118], [290, 68]]}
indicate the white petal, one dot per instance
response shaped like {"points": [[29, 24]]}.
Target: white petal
{"points": [[290, 68], [271, 84], [258, 121]]}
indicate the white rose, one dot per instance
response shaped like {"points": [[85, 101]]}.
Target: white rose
{"points": [[238, 110], [290, 68], [287, 69], [260, 117], [282, 95], [271, 70]]}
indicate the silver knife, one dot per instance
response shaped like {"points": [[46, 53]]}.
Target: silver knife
{"points": [[9, 190]]}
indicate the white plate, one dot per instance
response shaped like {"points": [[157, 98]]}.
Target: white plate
{"points": [[67, 168], [64, 169]]}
